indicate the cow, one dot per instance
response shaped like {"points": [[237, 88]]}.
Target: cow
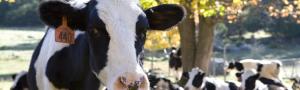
{"points": [[296, 82], [198, 81], [158, 82], [175, 62], [267, 68], [20, 81], [108, 38], [251, 81]]}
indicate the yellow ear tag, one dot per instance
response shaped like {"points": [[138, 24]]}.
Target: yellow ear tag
{"points": [[64, 33]]}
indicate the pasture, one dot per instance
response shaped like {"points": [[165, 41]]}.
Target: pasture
{"points": [[16, 47]]}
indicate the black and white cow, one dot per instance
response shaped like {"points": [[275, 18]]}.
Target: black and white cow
{"points": [[175, 59], [109, 36], [161, 83], [296, 82], [20, 81], [175, 62], [266, 68], [251, 81], [198, 81]]}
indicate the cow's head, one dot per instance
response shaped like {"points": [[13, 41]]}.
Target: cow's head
{"points": [[116, 33], [195, 79]]}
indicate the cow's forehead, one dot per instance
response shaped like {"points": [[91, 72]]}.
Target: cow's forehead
{"points": [[119, 11]]}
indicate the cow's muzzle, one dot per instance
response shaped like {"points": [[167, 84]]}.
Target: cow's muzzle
{"points": [[132, 82]]}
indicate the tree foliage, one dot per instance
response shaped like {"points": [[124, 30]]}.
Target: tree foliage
{"points": [[19, 13]]}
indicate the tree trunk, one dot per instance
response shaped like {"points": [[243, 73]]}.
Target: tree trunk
{"points": [[205, 43], [187, 35], [188, 42]]}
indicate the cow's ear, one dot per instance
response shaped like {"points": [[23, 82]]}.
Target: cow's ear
{"points": [[231, 65], [165, 16], [52, 12]]}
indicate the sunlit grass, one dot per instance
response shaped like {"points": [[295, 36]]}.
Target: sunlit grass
{"points": [[16, 47]]}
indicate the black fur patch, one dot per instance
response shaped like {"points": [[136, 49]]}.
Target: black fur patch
{"points": [[210, 86], [259, 67], [232, 86], [21, 84], [270, 82], [250, 82], [238, 74], [165, 16], [198, 80], [186, 75], [51, 13], [278, 66], [239, 66], [231, 65]]}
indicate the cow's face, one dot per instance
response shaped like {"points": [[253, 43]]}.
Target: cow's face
{"points": [[195, 79], [116, 34]]}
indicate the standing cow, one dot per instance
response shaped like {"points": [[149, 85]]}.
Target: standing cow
{"points": [[109, 36]]}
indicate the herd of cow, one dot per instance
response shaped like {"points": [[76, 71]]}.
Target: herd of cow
{"points": [[104, 41], [252, 75]]}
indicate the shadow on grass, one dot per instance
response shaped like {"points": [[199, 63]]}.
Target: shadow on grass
{"points": [[23, 46]]}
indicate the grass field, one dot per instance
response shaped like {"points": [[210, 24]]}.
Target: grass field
{"points": [[16, 47]]}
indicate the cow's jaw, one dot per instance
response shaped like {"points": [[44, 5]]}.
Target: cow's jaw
{"points": [[120, 17]]}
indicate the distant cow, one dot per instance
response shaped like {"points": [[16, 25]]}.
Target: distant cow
{"points": [[266, 68], [175, 59], [161, 83], [296, 83], [175, 62], [109, 36], [198, 81], [251, 81], [20, 81]]}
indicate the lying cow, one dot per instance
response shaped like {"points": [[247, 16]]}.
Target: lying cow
{"points": [[266, 68], [198, 81], [296, 83], [161, 83], [20, 81], [109, 36], [251, 81]]}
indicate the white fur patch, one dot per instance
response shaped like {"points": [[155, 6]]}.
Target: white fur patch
{"points": [[48, 48], [120, 17]]}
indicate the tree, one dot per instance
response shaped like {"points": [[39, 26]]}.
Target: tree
{"points": [[197, 30]]}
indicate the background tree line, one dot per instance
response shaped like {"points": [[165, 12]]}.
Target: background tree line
{"points": [[19, 13]]}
